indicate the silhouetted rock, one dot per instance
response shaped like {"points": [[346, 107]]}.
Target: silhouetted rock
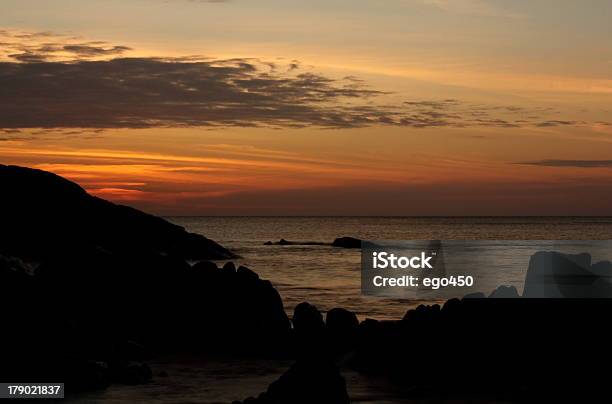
{"points": [[504, 292], [602, 269], [205, 267], [556, 275], [282, 241], [246, 275], [475, 295], [307, 319], [423, 313], [43, 212], [347, 242], [309, 330], [524, 349], [109, 284], [342, 242], [306, 382], [342, 328], [229, 267], [341, 321]]}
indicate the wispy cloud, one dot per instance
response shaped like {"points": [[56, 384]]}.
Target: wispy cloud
{"points": [[485, 8], [46, 46], [570, 163]]}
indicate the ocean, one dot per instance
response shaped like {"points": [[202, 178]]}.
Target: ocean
{"points": [[329, 277]]}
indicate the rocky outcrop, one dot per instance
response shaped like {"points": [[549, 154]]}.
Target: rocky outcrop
{"points": [[43, 213], [342, 242], [556, 275], [347, 242], [516, 349], [99, 315], [93, 287], [282, 242]]}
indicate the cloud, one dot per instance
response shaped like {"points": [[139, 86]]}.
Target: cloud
{"points": [[146, 92], [484, 8], [45, 46], [51, 81], [200, 1], [90, 50], [570, 163], [81, 51], [553, 123]]}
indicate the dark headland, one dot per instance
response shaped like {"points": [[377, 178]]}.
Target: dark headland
{"points": [[91, 290]]}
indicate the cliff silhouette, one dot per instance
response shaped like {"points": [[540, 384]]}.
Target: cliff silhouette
{"points": [[43, 213], [91, 289]]}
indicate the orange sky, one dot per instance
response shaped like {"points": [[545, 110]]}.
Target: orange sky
{"points": [[432, 120]]}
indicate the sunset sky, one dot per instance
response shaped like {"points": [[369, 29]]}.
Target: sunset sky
{"points": [[336, 107]]}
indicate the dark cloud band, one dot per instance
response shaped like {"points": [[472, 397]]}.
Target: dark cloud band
{"points": [[54, 82]]}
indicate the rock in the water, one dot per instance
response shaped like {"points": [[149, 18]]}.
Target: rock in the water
{"points": [[504, 292], [229, 267], [306, 382], [309, 330], [341, 321], [282, 241], [557, 275], [307, 319], [206, 267], [246, 274], [475, 295], [347, 242], [342, 328]]}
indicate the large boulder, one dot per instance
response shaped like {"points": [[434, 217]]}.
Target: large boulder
{"points": [[307, 319], [309, 330], [504, 292], [556, 275], [342, 328]]}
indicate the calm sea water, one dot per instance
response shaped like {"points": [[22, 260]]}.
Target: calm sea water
{"points": [[330, 277]]}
